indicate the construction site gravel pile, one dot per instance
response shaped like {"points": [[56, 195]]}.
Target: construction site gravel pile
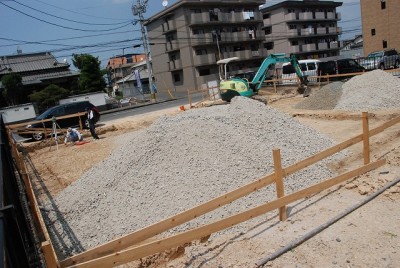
{"points": [[179, 162], [374, 90], [325, 98]]}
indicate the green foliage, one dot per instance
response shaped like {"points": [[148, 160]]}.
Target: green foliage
{"points": [[118, 95], [91, 78], [13, 88], [49, 96]]}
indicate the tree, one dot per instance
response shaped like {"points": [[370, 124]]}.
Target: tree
{"points": [[48, 96], [13, 88], [91, 78]]}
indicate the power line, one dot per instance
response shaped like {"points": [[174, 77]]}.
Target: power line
{"points": [[65, 27], [87, 15], [87, 23]]}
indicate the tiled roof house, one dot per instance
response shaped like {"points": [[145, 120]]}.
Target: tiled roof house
{"points": [[38, 70]]}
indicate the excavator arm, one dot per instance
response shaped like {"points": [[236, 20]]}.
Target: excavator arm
{"points": [[240, 87], [270, 62]]}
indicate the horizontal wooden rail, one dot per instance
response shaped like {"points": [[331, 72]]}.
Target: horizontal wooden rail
{"points": [[197, 233], [164, 225], [13, 126]]}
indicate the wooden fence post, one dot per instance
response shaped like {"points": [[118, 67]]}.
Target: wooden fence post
{"points": [[280, 189], [49, 255], [365, 137]]}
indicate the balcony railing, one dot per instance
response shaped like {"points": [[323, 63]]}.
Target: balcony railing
{"points": [[172, 45], [322, 46], [307, 31], [231, 17], [295, 49], [204, 59], [200, 39], [175, 64], [319, 15], [321, 30], [290, 16], [308, 47], [306, 15], [330, 15]]}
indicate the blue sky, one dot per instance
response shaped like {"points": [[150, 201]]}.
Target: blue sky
{"points": [[102, 28]]}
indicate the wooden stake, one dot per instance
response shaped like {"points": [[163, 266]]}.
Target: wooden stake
{"points": [[365, 137], [49, 255], [280, 188]]}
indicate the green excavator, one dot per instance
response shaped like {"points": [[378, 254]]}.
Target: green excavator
{"points": [[229, 88]]}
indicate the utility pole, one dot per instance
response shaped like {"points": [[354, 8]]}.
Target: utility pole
{"points": [[138, 10]]}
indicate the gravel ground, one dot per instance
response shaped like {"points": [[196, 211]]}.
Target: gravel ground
{"points": [[374, 90], [179, 162]]}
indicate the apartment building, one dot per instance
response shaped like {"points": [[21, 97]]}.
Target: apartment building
{"points": [[308, 28], [120, 66], [380, 24], [189, 37]]}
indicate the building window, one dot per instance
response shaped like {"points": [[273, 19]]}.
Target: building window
{"points": [[269, 45], [195, 10], [294, 43], [170, 37], [384, 44], [177, 77], [201, 51], [239, 48], [372, 31], [268, 30], [383, 4], [266, 16], [204, 72], [292, 27], [198, 31], [254, 47]]}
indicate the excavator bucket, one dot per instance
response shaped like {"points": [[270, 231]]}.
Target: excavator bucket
{"points": [[304, 89]]}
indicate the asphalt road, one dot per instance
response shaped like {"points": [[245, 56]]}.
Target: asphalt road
{"points": [[110, 115], [145, 108]]}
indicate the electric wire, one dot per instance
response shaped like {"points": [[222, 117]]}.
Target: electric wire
{"points": [[65, 27], [86, 23]]}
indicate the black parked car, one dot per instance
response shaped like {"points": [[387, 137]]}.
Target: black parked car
{"points": [[61, 110], [342, 66]]}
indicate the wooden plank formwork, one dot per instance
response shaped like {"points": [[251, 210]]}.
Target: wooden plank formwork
{"points": [[115, 252], [41, 229]]}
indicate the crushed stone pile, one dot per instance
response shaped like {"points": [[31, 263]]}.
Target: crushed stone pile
{"points": [[374, 90], [325, 98], [178, 163]]}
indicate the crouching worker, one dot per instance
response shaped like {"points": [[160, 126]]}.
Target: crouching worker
{"points": [[72, 136]]}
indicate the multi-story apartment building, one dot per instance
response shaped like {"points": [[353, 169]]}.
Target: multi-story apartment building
{"points": [[120, 66], [305, 28], [189, 37], [380, 24]]}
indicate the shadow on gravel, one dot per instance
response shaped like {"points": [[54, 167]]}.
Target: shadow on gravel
{"points": [[59, 238]]}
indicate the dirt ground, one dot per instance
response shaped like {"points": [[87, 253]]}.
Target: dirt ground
{"points": [[367, 237]]}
